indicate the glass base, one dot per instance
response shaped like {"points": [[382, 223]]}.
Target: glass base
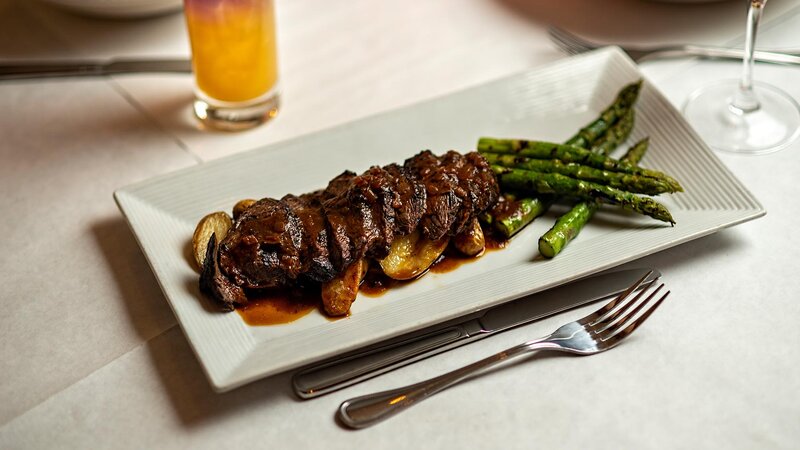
{"points": [[227, 116], [771, 127]]}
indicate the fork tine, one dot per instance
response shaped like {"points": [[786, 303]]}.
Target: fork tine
{"points": [[610, 305], [610, 318], [619, 333], [562, 43], [625, 319], [568, 41]]}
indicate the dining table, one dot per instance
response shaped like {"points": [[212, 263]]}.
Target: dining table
{"points": [[91, 355]]}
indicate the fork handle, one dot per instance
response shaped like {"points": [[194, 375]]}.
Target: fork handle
{"points": [[361, 412], [720, 52]]}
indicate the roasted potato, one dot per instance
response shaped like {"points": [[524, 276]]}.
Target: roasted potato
{"points": [[471, 241], [240, 206], [339, 293], [217, 222], [411, 255]]}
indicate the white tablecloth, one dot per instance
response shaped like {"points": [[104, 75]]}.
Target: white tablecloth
{"points": [[91, 357]]}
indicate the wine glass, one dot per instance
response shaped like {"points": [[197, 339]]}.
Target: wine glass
{"points": [[742, 116]]}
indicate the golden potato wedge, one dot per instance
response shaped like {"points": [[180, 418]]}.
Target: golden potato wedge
{"points": [[241, 205], [339, 293], [471, 241], [217, 222], [411, 255]]}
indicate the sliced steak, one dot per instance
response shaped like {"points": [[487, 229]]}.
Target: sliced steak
{"points": [[408, 201], [375, 188], [480, 183], [442, 202], [314, 254], [477, 186], [263, 249], [316, 237], [337, 214], [216, 284], [459, 187]]}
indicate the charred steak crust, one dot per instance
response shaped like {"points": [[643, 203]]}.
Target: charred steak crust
{"points": [[314, 253], [316, 236], [214, 283], [342, 224], [459, 187], [408, 199], [263, 248]]}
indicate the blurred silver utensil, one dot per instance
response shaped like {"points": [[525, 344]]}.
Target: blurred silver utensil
{"points": [[345, 370], [601, 330], [573, 44], [43, 69]]}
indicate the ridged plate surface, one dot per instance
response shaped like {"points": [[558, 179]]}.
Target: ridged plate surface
{"points": [[548, 103]]}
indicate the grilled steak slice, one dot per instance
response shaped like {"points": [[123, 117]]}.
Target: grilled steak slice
{"points": [[344, 222], [314, 254], [408, 200], [458, 187], [360, 215], [214, 283], [477, 187], [442, 203], [375, 188], [482, 185], [263, 249]]}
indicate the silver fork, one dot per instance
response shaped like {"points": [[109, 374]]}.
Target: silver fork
{"points": [[573, 44], [595, 333]]}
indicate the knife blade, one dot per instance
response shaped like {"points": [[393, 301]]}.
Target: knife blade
{"points": [[340, 372], [17, 71]]}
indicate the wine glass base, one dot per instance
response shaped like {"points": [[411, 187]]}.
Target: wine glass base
{"points": [[771, 127]]}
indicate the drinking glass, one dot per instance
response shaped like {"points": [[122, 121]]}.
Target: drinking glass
{"points": [[742, 116], [235, 62]]}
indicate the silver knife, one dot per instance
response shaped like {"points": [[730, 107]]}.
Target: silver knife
{"points": [[779, 57], [340, 372], [16, 71]]}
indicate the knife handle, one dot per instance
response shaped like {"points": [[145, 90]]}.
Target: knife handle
{"points": [[19, 71], [42, 69], [336, 374]]}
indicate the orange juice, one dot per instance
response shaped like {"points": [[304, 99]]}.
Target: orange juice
{"points": [[234, 51]]}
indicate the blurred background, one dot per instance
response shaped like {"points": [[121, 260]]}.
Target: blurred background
{"points": [[447, 45], [48, 28]]}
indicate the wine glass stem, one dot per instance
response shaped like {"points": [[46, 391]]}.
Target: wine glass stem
{"points": [[745, 101]]}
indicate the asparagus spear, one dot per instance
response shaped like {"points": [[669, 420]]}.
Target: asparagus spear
{"points": [[514, 214], [593, 131], [570, 224], [624, 181], [615, 135], [553, 183], [566, 228], [636, 152], [513, 211], [569, 154], [522, 211]]}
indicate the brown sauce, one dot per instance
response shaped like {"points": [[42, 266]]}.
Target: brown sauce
{"points": [[451, 260], [505, 208], [376, 283], [494, 241], [277, 306]]}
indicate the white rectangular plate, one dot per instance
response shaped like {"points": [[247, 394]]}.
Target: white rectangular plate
{"points": [[548, 103]]}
